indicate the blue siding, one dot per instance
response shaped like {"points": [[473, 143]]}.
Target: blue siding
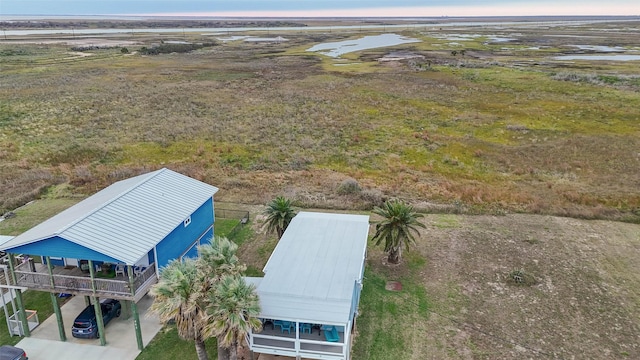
{"points": [[182, 238], [207, 237], [54, 262], [59, 247]]}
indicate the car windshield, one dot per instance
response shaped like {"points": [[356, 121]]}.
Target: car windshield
{"points": [[81, 325]]}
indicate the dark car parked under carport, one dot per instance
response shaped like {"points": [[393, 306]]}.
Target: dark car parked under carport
{"points": [[85, 325]]}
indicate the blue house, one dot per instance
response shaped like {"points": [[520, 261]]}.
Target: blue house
{"points": [[135, 227]]}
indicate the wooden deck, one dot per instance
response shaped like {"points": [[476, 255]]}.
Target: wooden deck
{"points": [[72, 280]]}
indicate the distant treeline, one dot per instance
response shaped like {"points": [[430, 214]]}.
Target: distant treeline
{"points": [[139, 24], [173, 48]]}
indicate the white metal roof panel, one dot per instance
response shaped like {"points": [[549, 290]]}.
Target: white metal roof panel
{"points": [[128, 218], [315, 265], [4, 239]]}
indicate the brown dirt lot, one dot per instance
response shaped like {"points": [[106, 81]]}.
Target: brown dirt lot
{"points": [[585, 302]]}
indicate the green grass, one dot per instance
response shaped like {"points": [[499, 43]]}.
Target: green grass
{"points": [[33, 300], [224, 226], [168, 345], [33, 214], [389, 321]]}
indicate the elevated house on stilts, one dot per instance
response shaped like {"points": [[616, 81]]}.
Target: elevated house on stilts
{"points": [[130, 230]]}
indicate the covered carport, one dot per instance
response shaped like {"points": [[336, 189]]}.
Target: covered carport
{"points": [[44, 341]]}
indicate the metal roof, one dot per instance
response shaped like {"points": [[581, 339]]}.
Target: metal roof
{"points": [[127, 219], [311, 274], [4, 239]]}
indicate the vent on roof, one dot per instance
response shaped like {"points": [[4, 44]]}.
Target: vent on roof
{"points": [[187, 221]]}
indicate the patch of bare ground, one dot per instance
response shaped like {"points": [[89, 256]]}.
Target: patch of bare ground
{"points": [[584, 303]]}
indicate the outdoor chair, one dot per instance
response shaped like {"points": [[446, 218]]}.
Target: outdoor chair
{"points": [[286, 326], [283, 325], [305, 327], [332, 334], [138, 270], [120, 269]]}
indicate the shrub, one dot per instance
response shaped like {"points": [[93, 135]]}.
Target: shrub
{"points": [[374, 197], [349, 186], [520, 277]]}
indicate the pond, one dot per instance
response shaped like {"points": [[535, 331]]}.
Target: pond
{"points": [[338, 48], [612, 57], [600, 48]]}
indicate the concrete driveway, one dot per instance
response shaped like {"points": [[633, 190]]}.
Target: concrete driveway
{"points": [[45, 344]]}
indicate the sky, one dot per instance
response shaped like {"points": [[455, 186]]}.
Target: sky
{"points": [[320, 8]]}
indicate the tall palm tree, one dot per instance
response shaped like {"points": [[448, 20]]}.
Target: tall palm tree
{"points": [[178, 297], [234, 308], [397, 229], [279, 214]]}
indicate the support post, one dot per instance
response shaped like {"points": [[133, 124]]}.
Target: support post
{"points": [[134, 309], [21, 311], [87, 300], [54, 302], [126, 309], [96, 306]]}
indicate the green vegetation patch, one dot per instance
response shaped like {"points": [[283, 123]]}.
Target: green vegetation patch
{"points": [[389, 321], [39, 301], [168, 345], [33, 214]]}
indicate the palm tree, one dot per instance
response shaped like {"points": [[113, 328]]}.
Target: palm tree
{"points": [[279, 214], [234, 308], [183, 292], [218, 259], [397, 229], [178, 297]]}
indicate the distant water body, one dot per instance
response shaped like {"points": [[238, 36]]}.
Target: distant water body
{"points": [[335, 49], [416, 26]]}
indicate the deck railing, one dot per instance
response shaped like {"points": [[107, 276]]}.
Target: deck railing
{"points": [[286, 346], [82, 285]]}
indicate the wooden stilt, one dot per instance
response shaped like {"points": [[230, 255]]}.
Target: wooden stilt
{"points": [[97, 307], [54, 302], [134, 310]]}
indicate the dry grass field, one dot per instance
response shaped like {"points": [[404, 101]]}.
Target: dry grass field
{"points": [[500, 127]]}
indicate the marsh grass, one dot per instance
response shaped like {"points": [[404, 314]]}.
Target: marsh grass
{"points": [[250, 112]]}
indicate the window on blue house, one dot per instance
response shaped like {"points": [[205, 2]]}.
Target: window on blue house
{"points": [[187, 221]]}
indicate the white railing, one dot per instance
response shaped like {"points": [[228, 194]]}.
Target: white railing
{"points": [[15, 325], [278, 345]]}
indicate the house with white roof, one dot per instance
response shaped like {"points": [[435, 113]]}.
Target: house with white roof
{"points": [[135, 227], [310, 292]]}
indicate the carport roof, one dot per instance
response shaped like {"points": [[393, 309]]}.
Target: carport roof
{"points": [[127, 219]]}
